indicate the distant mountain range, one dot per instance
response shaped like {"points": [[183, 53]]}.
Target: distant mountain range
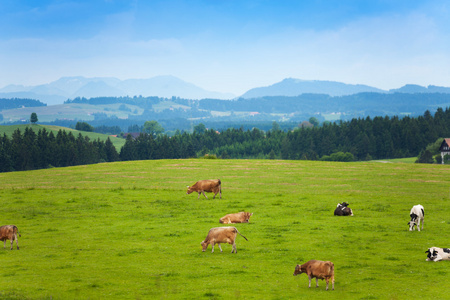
{"points": [[66, 88], [295, 87]]}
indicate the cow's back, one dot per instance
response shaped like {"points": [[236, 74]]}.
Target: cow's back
{"points": [[320, 269], [6, 232]]}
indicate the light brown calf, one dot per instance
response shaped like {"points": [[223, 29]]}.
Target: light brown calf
{"points": [[240, 217], [318, 269], [9, 232], [219, 235], [209, 186]]}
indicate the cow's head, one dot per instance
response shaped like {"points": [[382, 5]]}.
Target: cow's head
{"points": [[344, 204], [298, 270], [432, 253], [189, 190], [247, 216], [204, 246], [411, 225]]}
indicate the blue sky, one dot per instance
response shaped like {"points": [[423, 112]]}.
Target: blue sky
{"points": [[227, 45]]}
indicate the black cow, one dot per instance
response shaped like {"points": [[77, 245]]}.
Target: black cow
{"points": [[342, 209]]}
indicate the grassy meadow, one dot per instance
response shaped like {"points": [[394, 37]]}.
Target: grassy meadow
{"points": [[127, 230]]}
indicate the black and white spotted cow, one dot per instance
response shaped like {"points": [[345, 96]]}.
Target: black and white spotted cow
{"points": [[417, 214], [342, 209], [437, 254]]}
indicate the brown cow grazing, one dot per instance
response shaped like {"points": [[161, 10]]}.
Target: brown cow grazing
{"points": [[318, 269], [9, 232], [240, 217], [209, 186], [219, 235]]}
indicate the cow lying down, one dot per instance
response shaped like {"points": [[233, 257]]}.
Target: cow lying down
{"points": [[437, 254], [240, 217], [317, 269], [219, 235], [342, 209]]}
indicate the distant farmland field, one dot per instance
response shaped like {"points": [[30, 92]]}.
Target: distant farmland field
{"points": [[127, 230]]}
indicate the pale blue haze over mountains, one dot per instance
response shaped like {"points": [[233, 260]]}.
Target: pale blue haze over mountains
{"points": [[226, 47]]}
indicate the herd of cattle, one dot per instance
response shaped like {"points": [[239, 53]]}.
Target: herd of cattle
{"points": [[217, 235], [313, 268]]}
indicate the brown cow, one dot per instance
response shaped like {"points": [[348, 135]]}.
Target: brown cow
{"points": [[9, 232], [219, 235], [209, 186], [318, 269], [240, 217]]}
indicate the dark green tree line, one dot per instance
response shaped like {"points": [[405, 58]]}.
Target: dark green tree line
{"points": [[30, 151], [358, 139]]}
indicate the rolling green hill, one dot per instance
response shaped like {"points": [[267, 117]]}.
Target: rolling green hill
{"points": [[9, 129], [127, 230]]}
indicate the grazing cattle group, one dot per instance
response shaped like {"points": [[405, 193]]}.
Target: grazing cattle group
{"points": [[209, 186], [317, 269], [313, 268], [9, 232]]}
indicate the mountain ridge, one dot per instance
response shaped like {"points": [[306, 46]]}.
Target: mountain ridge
{"points": [[56, 92], [168, 86]]}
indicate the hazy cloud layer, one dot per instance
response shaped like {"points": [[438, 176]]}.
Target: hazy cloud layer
{"points": [[227, 46]]}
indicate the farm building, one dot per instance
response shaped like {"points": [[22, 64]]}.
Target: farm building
{"points": [[445, 148]]}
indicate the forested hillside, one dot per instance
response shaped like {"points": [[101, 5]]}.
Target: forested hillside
{"points": [[6, 103], [30, 151], [363, 139], [358, 139]]}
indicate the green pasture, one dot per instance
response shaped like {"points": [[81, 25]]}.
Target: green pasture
{"points": [[9, 130], [70, 111], [127, 230]]}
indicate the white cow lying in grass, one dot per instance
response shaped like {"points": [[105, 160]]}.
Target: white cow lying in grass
{"points": [[437, 254], [417, 214]]}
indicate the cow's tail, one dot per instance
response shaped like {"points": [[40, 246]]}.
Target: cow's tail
{"points": [[240, 234], [220, 185], [16, 230]]}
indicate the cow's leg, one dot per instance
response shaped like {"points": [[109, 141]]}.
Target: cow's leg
{"points": [[309, 277], [12, 242], [220, 247], [423, 221], [234, 248], [332, 282], [317, 282], [204, 194], [17, 241], [199, 193], [212, 246], [418, 224]]}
